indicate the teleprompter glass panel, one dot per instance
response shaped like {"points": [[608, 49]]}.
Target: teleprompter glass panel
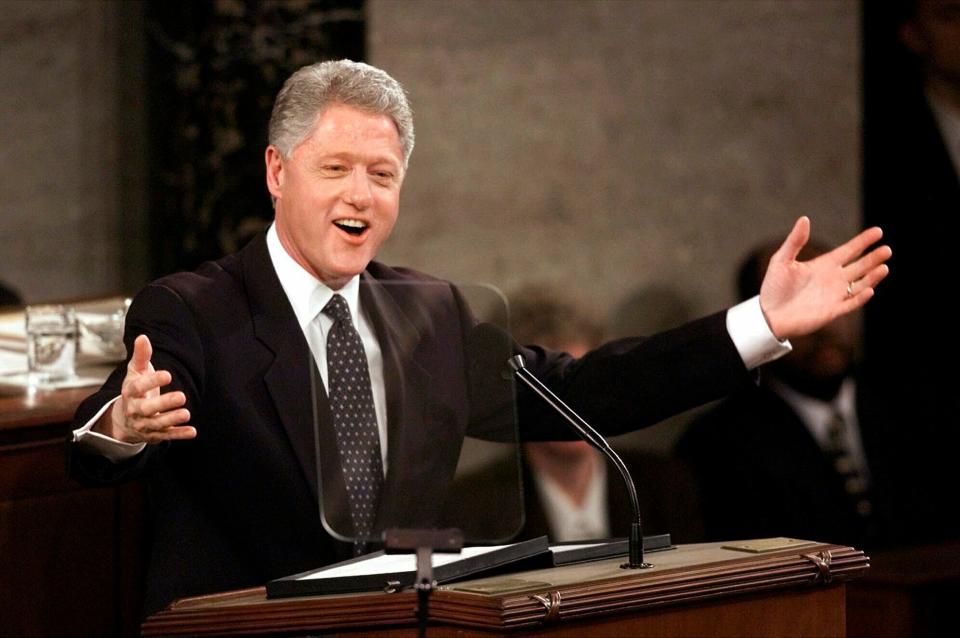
{"points": [[451, 453]]}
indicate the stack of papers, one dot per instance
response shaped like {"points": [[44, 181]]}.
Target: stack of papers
{"points": [[13, 344]]}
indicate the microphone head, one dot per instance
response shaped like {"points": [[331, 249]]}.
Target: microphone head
{"points": [[516, 362]]}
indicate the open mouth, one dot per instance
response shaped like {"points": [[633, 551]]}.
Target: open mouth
{"points": [[351, 226]]}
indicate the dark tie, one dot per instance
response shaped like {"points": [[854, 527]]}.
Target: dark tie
{"points": [[838, 450], [354, 417]]}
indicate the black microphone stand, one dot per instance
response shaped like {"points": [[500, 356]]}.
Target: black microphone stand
{"points": [[591, 436], [424, 542]]}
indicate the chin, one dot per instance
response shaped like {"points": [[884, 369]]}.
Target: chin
{"points": [[345, 269]]}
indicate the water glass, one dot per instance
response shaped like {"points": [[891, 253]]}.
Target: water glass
{"points": [[51, 343]]}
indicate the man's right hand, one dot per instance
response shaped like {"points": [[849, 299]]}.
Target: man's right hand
{"points": [[142, 414]]}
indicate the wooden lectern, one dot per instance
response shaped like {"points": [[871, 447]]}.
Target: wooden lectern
{"points": [[692, 590]]}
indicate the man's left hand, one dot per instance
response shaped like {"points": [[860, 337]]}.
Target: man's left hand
{"points": [[798, 298]]}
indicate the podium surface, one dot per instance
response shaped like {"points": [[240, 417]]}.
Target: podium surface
{"points": [[691, 590]]}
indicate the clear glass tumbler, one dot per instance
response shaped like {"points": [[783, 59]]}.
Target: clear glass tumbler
{"points": [[51, 343]]}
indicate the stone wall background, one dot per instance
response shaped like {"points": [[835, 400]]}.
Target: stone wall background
{"points": [[72, 148], [619, 147]]}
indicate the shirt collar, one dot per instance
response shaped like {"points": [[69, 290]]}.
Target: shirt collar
{"points": [[567, 520], [814, 412], [307, 294]]}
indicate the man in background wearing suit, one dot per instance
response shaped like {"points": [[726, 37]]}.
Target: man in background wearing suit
{"points": [[214, 406]]}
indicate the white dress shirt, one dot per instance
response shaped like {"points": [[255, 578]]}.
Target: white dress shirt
{"points": [[568, 521]]}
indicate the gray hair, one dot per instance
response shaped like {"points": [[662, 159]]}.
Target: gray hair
{"points": [[311, 89]]}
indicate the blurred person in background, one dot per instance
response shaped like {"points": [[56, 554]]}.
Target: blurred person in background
{"points": [[570, 491]]}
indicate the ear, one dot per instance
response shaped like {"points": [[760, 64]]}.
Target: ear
{"points": [[274, 165]]}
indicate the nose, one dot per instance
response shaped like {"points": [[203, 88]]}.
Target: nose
{"points": [[357, 190]]}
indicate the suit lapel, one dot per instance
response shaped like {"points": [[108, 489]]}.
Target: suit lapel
{"points": [[276, 327]]}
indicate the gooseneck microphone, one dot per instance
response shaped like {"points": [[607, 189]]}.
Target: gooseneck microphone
{"points": [[591, 436], [488, 339]]}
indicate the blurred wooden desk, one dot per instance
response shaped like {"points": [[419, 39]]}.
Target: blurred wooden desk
{"points": [[70, 556]]}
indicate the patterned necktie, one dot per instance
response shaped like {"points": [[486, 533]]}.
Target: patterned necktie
{"points": [[838, 450], [354, 417]]}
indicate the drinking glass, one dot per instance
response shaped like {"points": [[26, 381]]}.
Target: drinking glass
{"points": [[51, 343]]}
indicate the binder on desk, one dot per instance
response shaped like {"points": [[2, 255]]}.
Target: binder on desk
{"points": [[380, 571]]}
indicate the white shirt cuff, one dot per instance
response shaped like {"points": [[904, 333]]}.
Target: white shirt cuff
{"points": [[752, 335], [111, 448]]}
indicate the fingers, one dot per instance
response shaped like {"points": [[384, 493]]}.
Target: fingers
{"points": [[849, 251], [142, 351], [169, 434], [161, 422], [161, 403], [862, 290], [159, 418], [859, 268], [140, 386], [857, 300], [864, 274], [794, 242], [869, 280]]}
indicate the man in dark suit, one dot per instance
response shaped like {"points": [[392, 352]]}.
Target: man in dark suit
{"points": [[228, 445]]}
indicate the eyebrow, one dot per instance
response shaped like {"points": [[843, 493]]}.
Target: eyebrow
{"points": [[369, 160]]}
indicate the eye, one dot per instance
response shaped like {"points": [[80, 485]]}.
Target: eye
{"points": [[334, 169], [382, 176]]}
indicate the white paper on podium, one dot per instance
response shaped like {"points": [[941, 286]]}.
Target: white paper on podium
{"points": [[394, 563]]}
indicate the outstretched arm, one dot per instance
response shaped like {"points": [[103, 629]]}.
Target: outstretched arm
{"points": [[800, 297]]}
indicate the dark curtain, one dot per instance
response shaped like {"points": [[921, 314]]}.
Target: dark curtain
{"points": [[214, 68]]}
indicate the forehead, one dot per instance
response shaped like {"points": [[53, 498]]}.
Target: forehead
{"points": [[345, 129]]}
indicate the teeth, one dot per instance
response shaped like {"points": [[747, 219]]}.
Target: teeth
{"points": [[352, 223]]}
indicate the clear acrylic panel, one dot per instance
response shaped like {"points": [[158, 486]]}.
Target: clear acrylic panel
{"points": [[452, 453]]}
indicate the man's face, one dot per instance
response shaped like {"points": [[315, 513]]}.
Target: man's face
{"points": [[828, 353], [338, 194]]}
